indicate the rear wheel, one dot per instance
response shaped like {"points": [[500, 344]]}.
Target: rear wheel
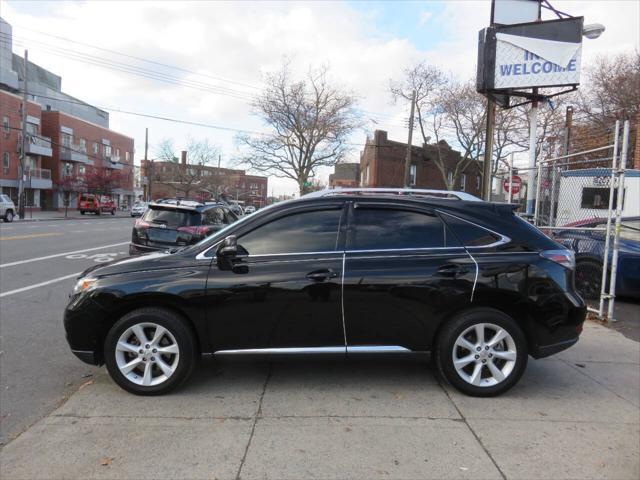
{"points": [[588, 278], [82, 212], [481, 352], [113, 212], [150, 351], [8, 216]]}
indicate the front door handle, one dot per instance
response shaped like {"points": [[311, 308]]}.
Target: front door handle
{"points": [[452, 270], [321, 275]]}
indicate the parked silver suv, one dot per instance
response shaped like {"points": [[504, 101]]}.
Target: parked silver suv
{"points": [[7, 208]]}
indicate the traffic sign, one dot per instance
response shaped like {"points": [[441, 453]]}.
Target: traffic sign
{"points": [[516, 184]]}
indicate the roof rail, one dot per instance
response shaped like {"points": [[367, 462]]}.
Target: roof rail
{"points": [[450, 194]]}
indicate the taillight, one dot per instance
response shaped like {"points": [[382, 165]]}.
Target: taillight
{"points": [[202, 231], [566, 258]]}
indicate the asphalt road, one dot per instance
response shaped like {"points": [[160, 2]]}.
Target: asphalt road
{"points": [[38, 265]]}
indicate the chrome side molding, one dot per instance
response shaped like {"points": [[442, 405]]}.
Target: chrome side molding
{"points": [[316, 350]]}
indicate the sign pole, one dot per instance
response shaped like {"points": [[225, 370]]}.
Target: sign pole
{"points": [[488, 149], [533, 143], [511, 178]]}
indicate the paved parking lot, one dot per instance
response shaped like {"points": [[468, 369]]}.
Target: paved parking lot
{"points": [[572, 416]]}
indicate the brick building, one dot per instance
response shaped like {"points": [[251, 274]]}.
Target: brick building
{"points": [[70, 147], [37, 179], [382, 164], [201, 182], [345, 175]]}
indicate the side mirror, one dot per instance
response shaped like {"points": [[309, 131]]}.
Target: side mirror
{"points": [[228, 248]]}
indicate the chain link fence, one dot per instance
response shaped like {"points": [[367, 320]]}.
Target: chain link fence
{"points": [[581, 201]]}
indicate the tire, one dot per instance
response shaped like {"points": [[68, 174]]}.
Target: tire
{"points": [[588, 278], [8, 216], [509, 354], [82, 212], [97, 212], [177, 338], [113, 212]]}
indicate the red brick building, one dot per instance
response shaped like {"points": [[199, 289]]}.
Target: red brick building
{"points": [[39, 150], [82, 150], [345, 175], [201, 182], [382, 164]]}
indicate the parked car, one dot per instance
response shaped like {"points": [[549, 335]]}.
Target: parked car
{"points": [[96, 204], [249, 209], [138, 209], [7, 208], [589, 248], [338, 272], [174, 223]]}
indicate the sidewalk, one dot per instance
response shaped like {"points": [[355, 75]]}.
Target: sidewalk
{"points": [[71, 215], [575, 415]]}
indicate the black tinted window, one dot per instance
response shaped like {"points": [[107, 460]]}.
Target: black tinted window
{"points": [[297, 233], [381, 229], [172, 218], [469, 234]]}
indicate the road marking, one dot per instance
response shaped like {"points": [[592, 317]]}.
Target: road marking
{"points": [[33, 235], [29, 260], [31, 287]]}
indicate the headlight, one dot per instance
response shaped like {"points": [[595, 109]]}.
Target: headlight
{"points": [[84, 284]]}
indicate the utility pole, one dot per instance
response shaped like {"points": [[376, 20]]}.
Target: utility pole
{"points": [[533, 144], [488, 149], [148, 166], [23, 146], [568, 124], [407, 161]]}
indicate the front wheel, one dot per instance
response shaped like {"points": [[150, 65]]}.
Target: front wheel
{"points": [[82, 212], [113, 212], [481, 352], [588, 278], [150, 351], [8, 217]]}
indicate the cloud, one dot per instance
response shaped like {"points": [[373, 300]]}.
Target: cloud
{"points": [[425, 15]]}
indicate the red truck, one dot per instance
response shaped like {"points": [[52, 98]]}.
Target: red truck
{"points": [[96, 204]]}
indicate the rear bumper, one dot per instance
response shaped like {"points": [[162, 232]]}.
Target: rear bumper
{"points": [[137, 249], [88, 356], [547, 350]]}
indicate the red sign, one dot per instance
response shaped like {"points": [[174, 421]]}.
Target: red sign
{"points": [[516, 184]]}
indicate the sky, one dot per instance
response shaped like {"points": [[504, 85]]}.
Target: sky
{"points": [[220, 52]]}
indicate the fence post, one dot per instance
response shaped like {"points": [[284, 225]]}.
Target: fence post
{"points": [[605, 263], [616, 238], [536, 211]]}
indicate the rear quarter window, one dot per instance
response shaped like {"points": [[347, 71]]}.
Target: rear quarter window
{"points": [[469, 234]]}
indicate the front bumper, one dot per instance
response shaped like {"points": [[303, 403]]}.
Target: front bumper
{"points": [[86, 325]]}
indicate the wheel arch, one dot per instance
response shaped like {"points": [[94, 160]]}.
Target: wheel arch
{"points": [[171, 303]]}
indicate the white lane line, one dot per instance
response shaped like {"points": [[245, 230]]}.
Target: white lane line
{"points": [[31, 287], [37, 259]]}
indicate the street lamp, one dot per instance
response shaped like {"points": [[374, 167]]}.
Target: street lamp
{"points": [[593, 30]]}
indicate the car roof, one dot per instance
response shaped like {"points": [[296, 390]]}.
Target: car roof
{"points": [[173, 203]]}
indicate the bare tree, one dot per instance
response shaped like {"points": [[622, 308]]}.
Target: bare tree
{"points": [[310, 122], [188, 178]]}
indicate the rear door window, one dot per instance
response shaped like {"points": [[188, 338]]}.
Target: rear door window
{"points": [[213, 216], [376, 228], [469, 234], [172, 218]]}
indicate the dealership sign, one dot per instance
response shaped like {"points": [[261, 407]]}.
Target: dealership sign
{"points": [[529, 55]]}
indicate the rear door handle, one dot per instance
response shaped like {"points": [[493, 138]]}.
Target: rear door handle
{"points": [[321, 275], [452, 270]]}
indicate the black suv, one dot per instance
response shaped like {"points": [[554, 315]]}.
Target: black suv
{"points": [[338, 272], [171, 223]]}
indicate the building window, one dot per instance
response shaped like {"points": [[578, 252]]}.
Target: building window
{"points": [[83, 145], [478, 182], [118, 152], [81, 169], [66, 140], [5, 124], [96, 148], [32, 129], [127, 156], [107, 150], [67, 169], [463, 182], [6, 162], [412, 175]]}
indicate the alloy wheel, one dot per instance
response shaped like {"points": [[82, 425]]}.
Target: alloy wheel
{"points": [[147, 354], [484, 354]]}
